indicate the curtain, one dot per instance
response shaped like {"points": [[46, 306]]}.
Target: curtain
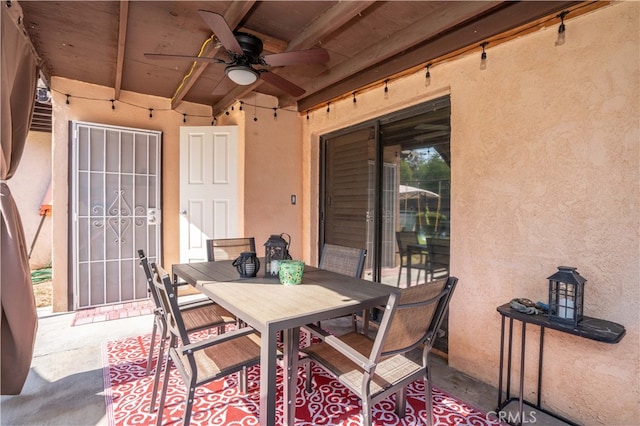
{"points": [[18, 309]]}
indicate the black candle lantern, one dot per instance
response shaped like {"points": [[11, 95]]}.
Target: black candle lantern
{"points": [[275, 249], [566, 296]]}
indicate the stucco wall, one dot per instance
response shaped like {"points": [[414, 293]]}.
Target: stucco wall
{"points": [[90, 103], [545, 172], [273, 167], [29, 186]]}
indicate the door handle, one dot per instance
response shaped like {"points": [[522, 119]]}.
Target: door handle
{"points": [[183, 212]]}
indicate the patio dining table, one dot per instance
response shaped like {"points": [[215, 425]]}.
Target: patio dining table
{"points": [[270, 308]]}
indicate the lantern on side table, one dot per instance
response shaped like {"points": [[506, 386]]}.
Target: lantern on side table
{"points": [[566, 296], [275, 249]]}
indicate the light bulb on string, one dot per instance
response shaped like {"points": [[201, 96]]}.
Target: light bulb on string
{"points": [[561, 29], [386, 89], [241, 103], [328, 107], [307, 115], [354, 98], [150, 112], [275, 113], [68, 96], [427, 76], [483, 57], [184, 118], [113, 103]]}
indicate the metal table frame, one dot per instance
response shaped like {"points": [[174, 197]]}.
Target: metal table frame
{"points": [[271, 308], [589, 328]]}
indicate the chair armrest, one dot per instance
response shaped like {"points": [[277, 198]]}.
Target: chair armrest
{"points": [[351, 353], [316, 331], [216, 339]]}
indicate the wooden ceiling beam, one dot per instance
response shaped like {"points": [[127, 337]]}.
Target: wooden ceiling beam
{"points": [[122, 42], [460, 39], [326, 24], [233, 15]]}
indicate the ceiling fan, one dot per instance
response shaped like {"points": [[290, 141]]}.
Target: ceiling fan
{"points": [[244, 51]]}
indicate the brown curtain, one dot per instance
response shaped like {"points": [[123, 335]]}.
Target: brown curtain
{"points": [[18, 311]]}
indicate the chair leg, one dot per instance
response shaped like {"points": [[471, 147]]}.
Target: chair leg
{"points": [[401, 402], [428, 397], [308, 378], [165, 386], [366, 411], [153, 342], [242, 380], [191, 393], [156, 378]]}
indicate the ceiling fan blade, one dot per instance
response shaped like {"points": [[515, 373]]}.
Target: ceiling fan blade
{"points": [[222, 31], [190, 58], [297, 57], [282, 83]]}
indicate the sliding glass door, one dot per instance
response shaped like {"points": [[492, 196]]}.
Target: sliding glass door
{"points": [[388, 175]]}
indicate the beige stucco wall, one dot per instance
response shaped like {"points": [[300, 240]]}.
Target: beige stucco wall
{"points": [[29, 187], [545, 172], [273, 166]]}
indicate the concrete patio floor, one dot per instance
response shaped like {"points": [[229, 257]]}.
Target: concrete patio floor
{"points": [[65, 385]]}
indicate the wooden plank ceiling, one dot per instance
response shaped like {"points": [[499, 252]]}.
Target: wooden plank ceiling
{"points": [[104, 42]]}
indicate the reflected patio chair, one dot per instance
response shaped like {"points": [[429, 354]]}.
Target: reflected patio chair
{"points": [[439, 256], [229, 248], [372, 368], [200, 362], [343, 260], [198, 315], [419, 259]]}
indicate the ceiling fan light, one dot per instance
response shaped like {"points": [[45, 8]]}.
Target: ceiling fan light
{"points": [[241, 75]]}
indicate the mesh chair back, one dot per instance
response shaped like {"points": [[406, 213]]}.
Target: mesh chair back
{"points": [[169, 302], [229, 248], [413, 317], [343, 260], [405, 238]]}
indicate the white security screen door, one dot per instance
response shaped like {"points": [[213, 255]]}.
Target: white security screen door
{"points": [[115, 199], [209, 206]]}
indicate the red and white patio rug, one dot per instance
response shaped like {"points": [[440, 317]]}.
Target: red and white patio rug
{"points": [[128, 395]]}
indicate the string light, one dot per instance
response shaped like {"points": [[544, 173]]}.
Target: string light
{"points": [[354, 98], [184, 118], [307, 115], [561, 29], [483, 57], [328, 107], [150, 112], [275, 113], [113, 103], [427, 76], [68, 96], [386, 89], [241, 103]]}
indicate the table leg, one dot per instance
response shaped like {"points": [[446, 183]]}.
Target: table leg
{"points": [[409, 255], [268, 364], [501, 365], [522, 353], [290, 382]]}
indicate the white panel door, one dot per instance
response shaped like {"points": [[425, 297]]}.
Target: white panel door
{"points": [[208, 188]]}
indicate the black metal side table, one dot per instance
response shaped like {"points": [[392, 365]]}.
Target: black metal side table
{"points": [[589, 328]]}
